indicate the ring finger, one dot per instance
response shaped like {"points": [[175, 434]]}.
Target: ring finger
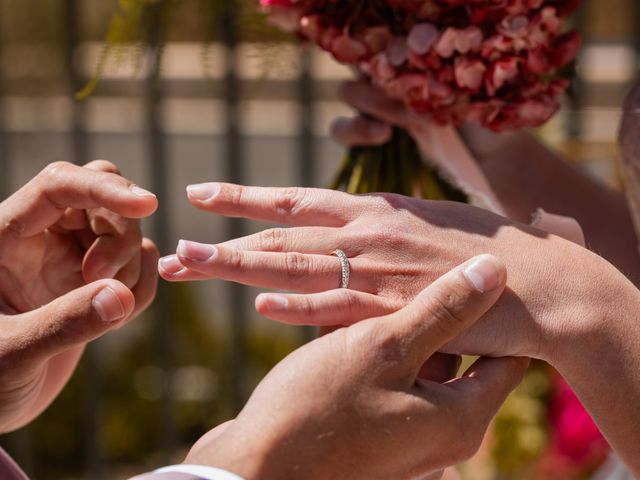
{"points": [[304, 273]]}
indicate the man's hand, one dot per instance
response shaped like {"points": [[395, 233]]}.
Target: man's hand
{"points": [[354, 404], [73, 266]]}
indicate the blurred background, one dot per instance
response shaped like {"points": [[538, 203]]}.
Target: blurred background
{"points": [[215, 95]]}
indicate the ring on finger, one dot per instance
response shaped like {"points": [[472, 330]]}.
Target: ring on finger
{"points": [[346, 267]]}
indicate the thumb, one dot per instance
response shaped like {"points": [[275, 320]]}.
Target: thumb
{"points": [[75, 319], [444, 310]]}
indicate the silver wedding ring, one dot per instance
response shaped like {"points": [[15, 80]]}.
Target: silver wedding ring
{"points": [[346, 268]]}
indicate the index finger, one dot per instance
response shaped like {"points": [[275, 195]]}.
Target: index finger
{"points": [[442, 311], [44, 200], [288, 206]]}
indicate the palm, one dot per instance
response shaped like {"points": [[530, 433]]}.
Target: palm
{"points": [[41, 269]]}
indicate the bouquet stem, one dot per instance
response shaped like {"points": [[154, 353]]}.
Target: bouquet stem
{"points": [[395, 167]]}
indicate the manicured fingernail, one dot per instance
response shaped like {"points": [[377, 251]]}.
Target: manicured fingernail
{"points": [[203, 191], [108, 305], [141, 192], [196, 252], [483, 274], [275, 303], [171, 265]]}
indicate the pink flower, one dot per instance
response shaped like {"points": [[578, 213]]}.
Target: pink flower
{"points": [[422, 37], [501, 72], [459, 40], [576, 440], [495, 62], [469, 73]]}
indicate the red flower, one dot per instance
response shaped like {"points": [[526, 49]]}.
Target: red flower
{"points": [[491, 61]]}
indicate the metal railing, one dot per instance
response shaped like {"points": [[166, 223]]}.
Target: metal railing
{"points": [[307, 92]]}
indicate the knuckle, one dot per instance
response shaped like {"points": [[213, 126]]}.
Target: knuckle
{"points": [[14, 227], [388, 201], [104, 166], [236, 196], [297, 265], [235, 260], [273, 240], [351, 304], [289, 200], [306, 308], [56, 169]]}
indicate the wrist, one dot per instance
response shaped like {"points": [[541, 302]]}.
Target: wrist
{"points": [[598, 301], [229, 451]]}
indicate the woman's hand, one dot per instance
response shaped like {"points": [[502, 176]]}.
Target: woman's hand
{"points": [[523, 174], [73, 265], [352, 405], [396, 246]]}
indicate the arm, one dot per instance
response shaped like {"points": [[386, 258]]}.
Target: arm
{"points": [[601, 361], [526, 175]]}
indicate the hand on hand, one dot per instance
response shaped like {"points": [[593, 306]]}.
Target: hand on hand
{"points": [[73, 266], [354, 404], [396, 247]]}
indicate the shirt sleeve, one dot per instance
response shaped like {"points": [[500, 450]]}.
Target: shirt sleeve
{"points": [[189, 472]]}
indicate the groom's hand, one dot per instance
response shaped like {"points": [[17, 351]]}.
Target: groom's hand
{"points": [[353, 404], [73, 266]]}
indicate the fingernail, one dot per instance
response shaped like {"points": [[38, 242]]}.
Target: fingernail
{"points": [[141, 192], [275, 303], [203, 191], [196, 252], [483, 274], [108, 305], [171, 265]]}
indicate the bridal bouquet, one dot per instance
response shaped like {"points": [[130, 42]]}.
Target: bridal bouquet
{"points": [[498, 63]]}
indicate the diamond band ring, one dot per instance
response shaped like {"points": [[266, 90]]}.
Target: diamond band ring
{"points": [[346, 268]]}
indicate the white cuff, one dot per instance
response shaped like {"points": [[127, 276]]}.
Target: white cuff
{"points": [[206, 473]]}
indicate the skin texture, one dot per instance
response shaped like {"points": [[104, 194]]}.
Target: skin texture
{"points": [[378, 401], [73, 266]]}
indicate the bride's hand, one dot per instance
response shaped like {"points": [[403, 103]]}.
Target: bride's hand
{"points": [[396, 246], [73, 265], [379, 113]]}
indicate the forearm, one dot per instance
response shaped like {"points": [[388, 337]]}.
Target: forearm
{"points": [[526, 175], [601, 362]]}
